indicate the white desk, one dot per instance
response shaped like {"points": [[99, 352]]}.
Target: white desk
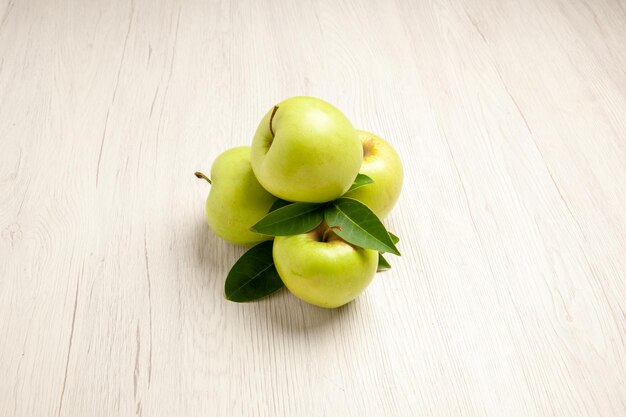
{"points": [[510, 296]]}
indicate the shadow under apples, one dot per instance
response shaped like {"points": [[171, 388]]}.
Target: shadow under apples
{"points": [[214, 257], [285, 311]]}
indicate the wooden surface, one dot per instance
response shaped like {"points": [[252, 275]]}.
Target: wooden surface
{"points": [[510, 296]]}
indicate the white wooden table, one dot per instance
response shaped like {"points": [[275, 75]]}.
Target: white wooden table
{"points": [[510, 296]]}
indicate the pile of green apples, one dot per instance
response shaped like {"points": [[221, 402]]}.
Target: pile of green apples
{"points": [[308, 196]]}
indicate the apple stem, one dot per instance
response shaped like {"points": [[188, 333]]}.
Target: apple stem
{"points": [[330, 229], [203, 177], [272, 118]]}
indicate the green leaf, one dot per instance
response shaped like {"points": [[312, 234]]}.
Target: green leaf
{"points": [[382, 263], [359, 225], [292, 219], [360, 181], [395, 239], [253, 276], [278, 204]]}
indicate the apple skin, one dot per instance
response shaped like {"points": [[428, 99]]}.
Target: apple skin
{"points": [[236, 200], [313, 155], [326, 274], [383, 165]]}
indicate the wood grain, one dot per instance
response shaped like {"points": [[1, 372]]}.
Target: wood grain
{"points": [[510, 296]]}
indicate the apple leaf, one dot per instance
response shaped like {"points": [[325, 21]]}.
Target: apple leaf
{"points": [[253, 276], [394, 238], [382, 263], [357, 224], [278, 204], [292, 219], [360, 181]]}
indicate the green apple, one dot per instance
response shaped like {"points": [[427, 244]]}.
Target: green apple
{"points": [[236, 200], [306, 150], [322, 269], [383, 165]]}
